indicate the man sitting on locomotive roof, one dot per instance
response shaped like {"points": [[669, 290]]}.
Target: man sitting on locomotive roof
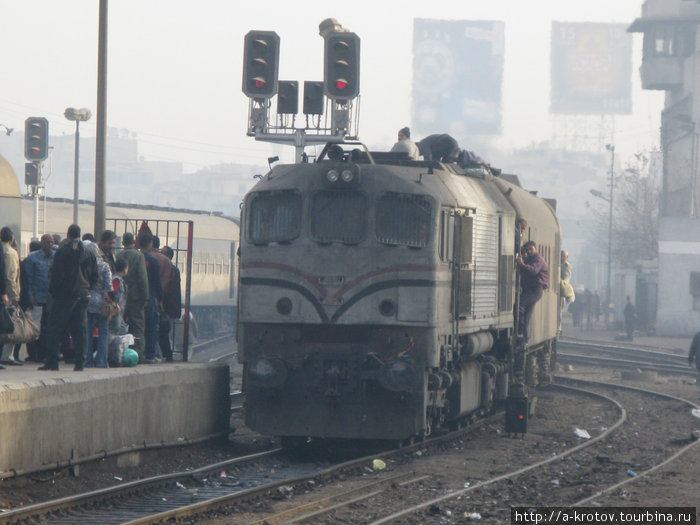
{"points": [[405, 144], [534, 279]]}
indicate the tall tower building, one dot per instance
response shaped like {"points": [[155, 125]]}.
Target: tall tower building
{"points": [[671, 63]]}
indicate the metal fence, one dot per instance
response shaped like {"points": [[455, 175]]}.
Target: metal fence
{"points": [[178, 234]]}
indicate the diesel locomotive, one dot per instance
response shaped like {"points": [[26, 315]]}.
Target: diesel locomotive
{"points": [[378, 295]]}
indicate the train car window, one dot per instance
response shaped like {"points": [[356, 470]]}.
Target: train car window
{"points": [[403, 220], [275, 216], [339, 216], [442, 230]]}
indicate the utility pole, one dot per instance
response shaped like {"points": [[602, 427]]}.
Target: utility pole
{"points": [[608, 293], [101, 142]]}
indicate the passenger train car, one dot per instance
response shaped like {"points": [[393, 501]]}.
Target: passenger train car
{"points": [[378, 295], [215, 242]]}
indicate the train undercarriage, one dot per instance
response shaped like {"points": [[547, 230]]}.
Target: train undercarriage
{"points": [[375, 382]]}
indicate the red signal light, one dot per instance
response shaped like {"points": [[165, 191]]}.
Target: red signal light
{"points": [[521, 416], [259, 82], [341, 84]]}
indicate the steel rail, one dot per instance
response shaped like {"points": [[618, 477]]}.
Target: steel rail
{"points": [[459, 493], [565, 357], [654, 468], [257, 492], [38, 509], [415, 508]]}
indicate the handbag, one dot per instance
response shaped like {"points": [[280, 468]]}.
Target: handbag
{"points": [[566, 289], [26, 329], [109, 309], [6, 324]]}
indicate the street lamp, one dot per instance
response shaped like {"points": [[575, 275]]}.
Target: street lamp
{"points": [[608, 292], [77, 115], [609, 200]]}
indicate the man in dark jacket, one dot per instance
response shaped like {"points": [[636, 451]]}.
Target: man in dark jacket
{"points": [[630, 318], [73, 273], [4, 300], [108, 247], [137, 283], [38, 266], [440, 147], [534, 279], [172, 302], [155, 297], [694, 354]]}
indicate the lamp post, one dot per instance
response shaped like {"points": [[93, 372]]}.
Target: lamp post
{"points": [[77, 115], [611, 149], [609, 200]]}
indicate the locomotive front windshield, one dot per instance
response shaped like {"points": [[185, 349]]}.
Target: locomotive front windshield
{"points": [[403, 220], [275, 216], [338, 216]]}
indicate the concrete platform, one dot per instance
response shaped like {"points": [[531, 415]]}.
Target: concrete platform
{"points": [[52, 418]]}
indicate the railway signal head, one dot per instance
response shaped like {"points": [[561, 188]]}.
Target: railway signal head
{"points": [[36, 138], [313, 98], [261, 64], [342, 65], [31, 174], [288, 97]]}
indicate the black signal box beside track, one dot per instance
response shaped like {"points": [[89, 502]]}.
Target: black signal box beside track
{"points": [[516, 415]]}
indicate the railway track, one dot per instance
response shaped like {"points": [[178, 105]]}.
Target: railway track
{"points": [[248, 482], [129, 501], [267, 475], [623, 357], [580, 475]]}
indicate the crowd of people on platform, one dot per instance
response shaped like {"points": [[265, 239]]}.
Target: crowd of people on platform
{"points": [[86, 291]]}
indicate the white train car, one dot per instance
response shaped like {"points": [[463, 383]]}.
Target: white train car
{"points": [[215, 242]]}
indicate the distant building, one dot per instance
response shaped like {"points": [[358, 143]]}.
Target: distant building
{"points": [[132, 180], [670, 60]]}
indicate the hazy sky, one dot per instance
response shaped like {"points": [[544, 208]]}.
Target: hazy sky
{"points": [[174, 76]]}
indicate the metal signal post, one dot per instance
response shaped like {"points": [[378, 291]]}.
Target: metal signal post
{"points": [[36, 150], [340, 88]]}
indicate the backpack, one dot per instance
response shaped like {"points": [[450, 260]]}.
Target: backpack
{"points": [[172, 302]]}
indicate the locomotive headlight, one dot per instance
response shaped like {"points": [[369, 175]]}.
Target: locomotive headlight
{"points": [[347, 175], [399, 375], [332, 175]]}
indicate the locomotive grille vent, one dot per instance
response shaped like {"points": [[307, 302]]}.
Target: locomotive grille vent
{"points": [[339, 216], [403, 220]]}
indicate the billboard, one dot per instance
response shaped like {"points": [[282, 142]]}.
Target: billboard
{"points": [[591, 68], [457, 76]]}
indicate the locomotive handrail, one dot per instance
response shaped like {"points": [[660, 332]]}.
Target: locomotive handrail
{"points": [[331, 146]]}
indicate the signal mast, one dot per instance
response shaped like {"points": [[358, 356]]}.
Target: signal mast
{"points": [[337, 93]]}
